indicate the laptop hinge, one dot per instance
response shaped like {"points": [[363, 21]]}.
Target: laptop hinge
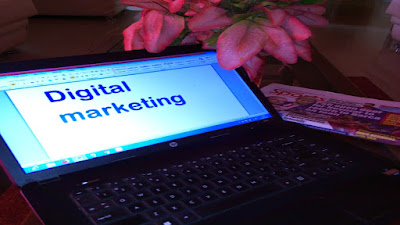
{"points": [[51, 180]]}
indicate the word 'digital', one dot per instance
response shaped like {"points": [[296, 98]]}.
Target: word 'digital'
{"points": [[86, 94]]}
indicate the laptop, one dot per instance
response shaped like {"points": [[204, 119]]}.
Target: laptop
{"points": [[172, 138]]}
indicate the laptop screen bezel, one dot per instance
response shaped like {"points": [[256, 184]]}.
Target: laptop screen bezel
{"points": [[10, 163]]}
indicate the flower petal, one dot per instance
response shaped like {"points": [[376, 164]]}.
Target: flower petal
{"points": [[293, 9], [161, 29], [303, 50], [279, 44], [190, 13], [239, 43], [196, 37], [133, 40], [312, 19], [190, 39], [255, 69], [147, 4], [209, 18], [203, 35], [295, 28], [175, 5], [276, 16]]}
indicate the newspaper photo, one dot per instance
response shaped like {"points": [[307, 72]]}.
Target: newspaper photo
{"points": [[367, 118]]}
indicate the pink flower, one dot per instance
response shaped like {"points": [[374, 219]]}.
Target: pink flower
{"points": [[308, 14], [279, 43], [240, 32], [209, 18], [239, 43], [155, 31]]}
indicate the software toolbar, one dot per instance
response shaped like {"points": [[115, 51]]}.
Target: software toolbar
{"points": [[95, 71]]}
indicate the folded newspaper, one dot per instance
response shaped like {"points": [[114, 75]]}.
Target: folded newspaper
{"points": [[366, 118]]}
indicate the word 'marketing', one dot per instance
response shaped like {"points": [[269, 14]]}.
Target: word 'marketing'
{"points": [[89, 94]]}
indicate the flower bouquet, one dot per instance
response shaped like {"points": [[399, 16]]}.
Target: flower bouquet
{"points": [[243, 32]]}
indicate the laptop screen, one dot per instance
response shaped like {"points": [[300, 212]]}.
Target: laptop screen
{"points": [[57, 117]]}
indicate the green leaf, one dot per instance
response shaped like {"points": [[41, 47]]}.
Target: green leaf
{"points": [[212, 41], [179, 39], [239, 5], [309, 2], [265, 3], [239, 17]]}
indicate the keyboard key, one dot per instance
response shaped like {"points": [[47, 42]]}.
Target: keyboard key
{"points": [[174, 207], [247, 164], [132, 179], [104, 194], [224, 191], [157, 213], [254, 182], [301, 178], [292, 169], [248, 173], [97, 187], [123, 200], [221, 171], [187, 217], [137, 207], [175, 185], [81, 192], [267, 177], [173, 196], [201, 166], [97, 207], [262, 169], [122, 189], [226, 203], [239, 186], [287, 182], [157, 201], [217, 163], [140, 184], [108, 216], [189, 171], [315, 173], [192, 202], [205, 186], [329, 169], [191, 180], [135, 220], [155, 180], [159, 189], [189, 191], [208, 196], [280, 173], [139, 195], [234, 167], [220, 181], [86, 199], [339, 165], [206, 176], [167, 221], [233, 177], [172, 175]]}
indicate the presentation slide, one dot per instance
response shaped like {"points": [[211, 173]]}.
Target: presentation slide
{"points": [[82, 117]]}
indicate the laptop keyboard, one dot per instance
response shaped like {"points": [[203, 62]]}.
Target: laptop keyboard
{"points": [[187, 192]]}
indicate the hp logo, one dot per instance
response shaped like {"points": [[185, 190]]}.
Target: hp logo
{"points": [[173, 144]]}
